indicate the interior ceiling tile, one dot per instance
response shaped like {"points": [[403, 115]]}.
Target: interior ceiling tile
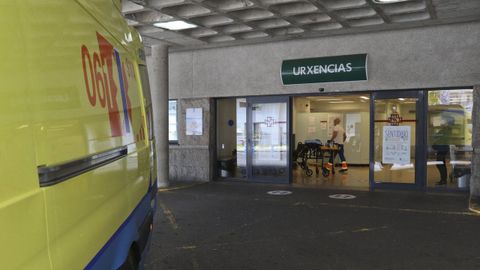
{"points": [[325, 26], [235, 28], [187, 11], [213, 20], [411, 17], [220, 39], [165, 3], [404, 7], [343, 4], [311, 18], [251, 35], [130, 7], [357, 13], [275, 2], [271, 23], [229, 5], [149, 17], [294, 8], [366, 22], [252, 14], [231, 22], [200, 32], [284, 31]]}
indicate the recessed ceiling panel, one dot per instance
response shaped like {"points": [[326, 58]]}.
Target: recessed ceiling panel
{"points": [[232, 21]]}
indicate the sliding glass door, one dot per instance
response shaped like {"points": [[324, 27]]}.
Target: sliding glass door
{"points": [[268, 153], [398, 142]]}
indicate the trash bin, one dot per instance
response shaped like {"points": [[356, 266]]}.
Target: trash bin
{"points": [[464, 181], [225, 167]]}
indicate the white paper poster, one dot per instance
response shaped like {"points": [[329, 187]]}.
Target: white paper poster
{"points": [[396, 145], [194, 121]]}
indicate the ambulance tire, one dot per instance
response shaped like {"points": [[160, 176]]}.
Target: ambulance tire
{"points": [[131, 263]]}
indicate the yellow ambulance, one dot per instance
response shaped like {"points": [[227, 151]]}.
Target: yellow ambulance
{"points": [[77, 182]]}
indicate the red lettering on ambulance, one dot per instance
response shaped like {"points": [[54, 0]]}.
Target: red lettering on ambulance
{"points": [[106, 55], [98, 70], [90, 94]]}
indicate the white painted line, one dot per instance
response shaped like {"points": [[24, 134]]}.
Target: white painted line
{"points": [[279, 192], [342, 196]]}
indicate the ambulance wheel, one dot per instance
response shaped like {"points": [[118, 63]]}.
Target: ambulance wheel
{"points": [[131, 263]]}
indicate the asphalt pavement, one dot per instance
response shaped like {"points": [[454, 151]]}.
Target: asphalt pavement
{"points": [[231, 225]]}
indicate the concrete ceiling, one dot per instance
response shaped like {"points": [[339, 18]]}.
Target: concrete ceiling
{"points": [[236, 22]]}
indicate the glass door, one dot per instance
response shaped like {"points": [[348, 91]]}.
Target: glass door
{"points": [[398, 147], [268, 153]]}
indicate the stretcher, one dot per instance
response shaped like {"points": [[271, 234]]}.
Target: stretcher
{"points": [[316, 154]]}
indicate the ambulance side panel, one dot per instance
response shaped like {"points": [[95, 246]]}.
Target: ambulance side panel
{"points": [[92, 158], [23, 233]]}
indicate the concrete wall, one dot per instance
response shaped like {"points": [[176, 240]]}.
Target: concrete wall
{"points": [[441, 56], [192, 158], [430, 57]]}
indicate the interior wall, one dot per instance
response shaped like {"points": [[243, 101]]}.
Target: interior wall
{"points": [[402, 59], [309, 127]]}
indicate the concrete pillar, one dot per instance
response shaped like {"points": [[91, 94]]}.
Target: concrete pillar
{"points": [[158, 73], [475, 179]]}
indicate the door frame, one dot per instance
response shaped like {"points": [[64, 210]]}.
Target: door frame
{"points": [[249, 139], [420, 139]]}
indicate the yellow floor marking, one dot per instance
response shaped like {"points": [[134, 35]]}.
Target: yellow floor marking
{"points": [[169, 215], [180, 187], [369, 229], [187, 247]]}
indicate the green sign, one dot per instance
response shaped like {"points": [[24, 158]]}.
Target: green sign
{"points": [[325, 69]]}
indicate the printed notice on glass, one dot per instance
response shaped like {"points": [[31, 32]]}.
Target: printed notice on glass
{"points": [[396, 145], [194, 121]]}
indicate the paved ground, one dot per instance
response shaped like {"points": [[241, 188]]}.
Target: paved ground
{"points": [[238, 226]]}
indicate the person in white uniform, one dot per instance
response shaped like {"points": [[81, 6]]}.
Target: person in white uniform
{"points": [[338, 138]]}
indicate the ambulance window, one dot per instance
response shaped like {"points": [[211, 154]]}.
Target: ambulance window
{"points": [[148, 98]]}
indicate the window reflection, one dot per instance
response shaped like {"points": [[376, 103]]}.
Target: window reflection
{"points": [[449, 138]]}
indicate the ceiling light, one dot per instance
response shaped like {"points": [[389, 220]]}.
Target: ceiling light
{"points": [[364, 97], [175, 25], [401, 99], [388, 1], [328, 99], [341, 102]]}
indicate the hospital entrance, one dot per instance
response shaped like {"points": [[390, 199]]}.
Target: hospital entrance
{"points": [[373, 140]]}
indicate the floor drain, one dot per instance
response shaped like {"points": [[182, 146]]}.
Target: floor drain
{"points": [[279, 192], [342, 196]]}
